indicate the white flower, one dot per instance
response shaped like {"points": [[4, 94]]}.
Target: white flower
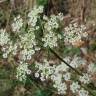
{"points": [[22, 71], [36, 74], [62, 87], [45, 17], [74, 33], [33, 15], [77, 62], [74, 62], [67, 76], [74, 87], [28, 44], [42, 78], [5, 55], [17, 24], [59, 36], [52, 23], [45, 69], [4, 37], [26, 54], [83, 92], [75, 25], [40, 9], [85, 78], [61, 68], [51, 37], [37, 27], [60, 16], [83, 27], [32, 21], [91, 68], [56, 78], [50, 40], [67, 59], [28, 40], [9, 49], [54, 73]]}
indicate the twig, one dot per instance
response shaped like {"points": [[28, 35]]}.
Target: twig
{"points": [[60, 58]]}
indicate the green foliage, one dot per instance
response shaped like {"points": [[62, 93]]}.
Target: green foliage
{"points": [[42, 93], [42, 2], [5, 85], [94, 92], [71, 51], [4, 74]]}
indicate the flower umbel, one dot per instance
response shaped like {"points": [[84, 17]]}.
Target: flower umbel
{"points": [[22, 71]]}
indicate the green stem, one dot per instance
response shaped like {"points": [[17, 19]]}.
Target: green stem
{"points": [[60, 58]]}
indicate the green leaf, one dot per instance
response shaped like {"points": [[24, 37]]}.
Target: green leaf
{"points": [[42, 2]]}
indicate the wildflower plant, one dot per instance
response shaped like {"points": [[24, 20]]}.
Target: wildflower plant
{"points": [[40, 33]]}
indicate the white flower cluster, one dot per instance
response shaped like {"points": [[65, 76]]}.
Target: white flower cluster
{"points": [[4, 37], [74, 33], [50, 40], [85, 78], [24, 45], [59, 84], [83, 92], [91, 68], [77, 62], [45, 69], [61, 87], [77, 90], [7, 47], [10, 49], [60, 16], [67, 76], [33, 15], [28, 44], [50, 72], [22, 71], [61, 74], [17, 24], [51, 24], [75, 87]]}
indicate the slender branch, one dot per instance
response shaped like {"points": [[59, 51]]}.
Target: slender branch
{"points": [[60, 58]]}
